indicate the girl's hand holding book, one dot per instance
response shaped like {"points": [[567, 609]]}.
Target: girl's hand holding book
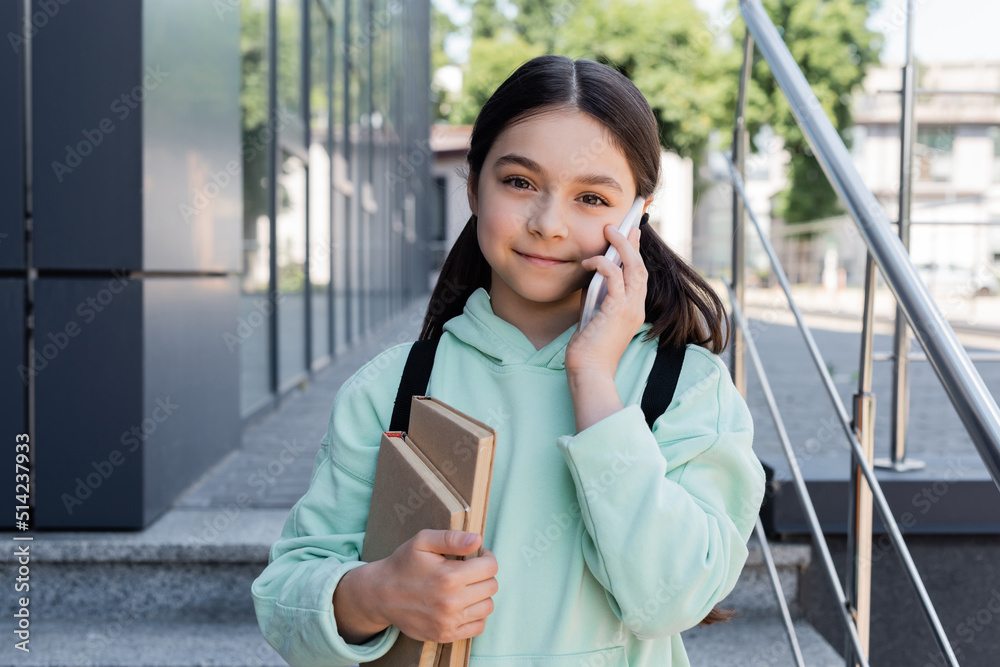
{"points": [[433, 598], [596, 350]]}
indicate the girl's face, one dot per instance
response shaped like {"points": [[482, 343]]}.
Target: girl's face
{"points": [[547, 188]]}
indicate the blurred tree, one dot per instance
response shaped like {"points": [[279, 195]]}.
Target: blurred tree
{"points": [[671, 51], [663, 46], [667, 50], [255, 135], [833, 48], [491, 60], [441, 28], [498, 48]]}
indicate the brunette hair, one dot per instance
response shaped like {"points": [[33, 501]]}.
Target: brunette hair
{"points": [[680, 304]]}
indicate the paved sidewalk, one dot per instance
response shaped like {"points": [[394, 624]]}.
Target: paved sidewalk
{"points": [[274, 463], [835, 322]]}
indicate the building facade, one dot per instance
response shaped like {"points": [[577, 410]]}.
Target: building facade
{"points": [[955, 210], [202, 204], [956, 162]]}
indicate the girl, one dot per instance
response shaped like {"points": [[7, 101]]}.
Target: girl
{"points": [[610, 538]]}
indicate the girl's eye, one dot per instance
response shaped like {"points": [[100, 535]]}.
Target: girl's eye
{"points": [[590, 199], [594, 200], [513, 180]]}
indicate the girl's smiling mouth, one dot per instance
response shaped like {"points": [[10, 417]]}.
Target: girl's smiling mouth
{"points": [[538, 261]]}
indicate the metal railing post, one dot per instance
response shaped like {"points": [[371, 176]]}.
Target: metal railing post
{"points": [[859, 517], [901, 335], [857, 449], [976, 407], [740, 145], [966, 390], [772, 571], [826, 560]]}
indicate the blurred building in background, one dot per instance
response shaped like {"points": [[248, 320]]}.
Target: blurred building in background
{"points": [[955, 231], [956, 167], [201, 204]]}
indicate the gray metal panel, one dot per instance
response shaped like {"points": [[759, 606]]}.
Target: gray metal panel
{"points": [[88, 399], [11, 149], [191, 387], [12, 361], [192, 160], [87, 73]]}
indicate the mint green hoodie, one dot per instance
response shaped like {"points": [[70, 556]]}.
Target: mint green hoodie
{"points": [[609, 542]]}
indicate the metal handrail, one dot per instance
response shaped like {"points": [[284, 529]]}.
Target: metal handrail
{"points": [[772, 571], [975, 406], [866, 469], [800, 485], [965, 388]]}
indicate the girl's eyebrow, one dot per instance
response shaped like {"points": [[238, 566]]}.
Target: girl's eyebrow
{"points": [[528, 163]]}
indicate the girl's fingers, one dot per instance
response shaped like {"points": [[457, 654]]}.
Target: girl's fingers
{"points": [[627, 246], [632, 265], [611, 271]]}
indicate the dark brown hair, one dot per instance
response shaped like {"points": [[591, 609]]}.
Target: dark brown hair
{"points": [[680, 304]]}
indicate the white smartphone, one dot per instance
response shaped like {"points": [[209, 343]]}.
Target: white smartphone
{"points": [[599, 284]]}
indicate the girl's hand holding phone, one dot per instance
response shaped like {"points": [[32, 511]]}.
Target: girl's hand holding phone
{"points": [[596, 349], [433, 598]]}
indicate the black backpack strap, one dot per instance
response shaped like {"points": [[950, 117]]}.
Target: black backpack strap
{"points": [[416, 375], [662, 381]]}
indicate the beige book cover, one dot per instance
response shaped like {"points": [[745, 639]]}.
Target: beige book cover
{"points": [[461, 448], [408, 495]]}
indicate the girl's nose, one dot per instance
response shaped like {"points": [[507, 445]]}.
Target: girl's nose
{"points": [[548, 218]]}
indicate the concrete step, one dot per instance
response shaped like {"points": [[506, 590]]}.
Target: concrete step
{"points": [[132, 642], [189, 565], [754, 591], [755, 641], [178, 593], [128, 642], [199, 564]]}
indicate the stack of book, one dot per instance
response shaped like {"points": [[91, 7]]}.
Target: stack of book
{"points": [[436, 475]]}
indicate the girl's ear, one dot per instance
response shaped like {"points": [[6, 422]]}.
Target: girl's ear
{"points": [[646, 205]]}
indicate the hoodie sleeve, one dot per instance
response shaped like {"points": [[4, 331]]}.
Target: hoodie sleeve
{"points": [[668, 512], [322, 537]]}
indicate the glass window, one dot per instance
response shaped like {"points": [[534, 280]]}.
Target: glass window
{"points": [[319, 181], [290, 247], [357, 103], [366, 270], [438, 228], [932, 153], [376, 219], [290, 69], [341, 177], [253, 334], [994, 132]]}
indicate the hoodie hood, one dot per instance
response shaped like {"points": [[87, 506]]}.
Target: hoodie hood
{"points": [[479, 327]]}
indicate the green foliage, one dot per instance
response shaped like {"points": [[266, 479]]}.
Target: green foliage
{"points": [[491, 60], [253, 109], [829, 41], [672, 54], [665, 48], [289, 54], [441, 27], [253, 49]]}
